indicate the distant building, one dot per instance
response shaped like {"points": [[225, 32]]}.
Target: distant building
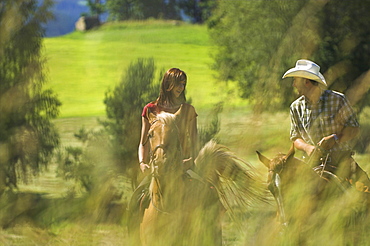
{"points": [[85, 23]]}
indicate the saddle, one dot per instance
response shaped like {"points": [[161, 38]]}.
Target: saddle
{"points": [[330, 164], [330, 161]]}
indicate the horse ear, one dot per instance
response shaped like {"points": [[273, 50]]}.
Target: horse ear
{"points": [[291, 152], [266, 161], [151, 117]]}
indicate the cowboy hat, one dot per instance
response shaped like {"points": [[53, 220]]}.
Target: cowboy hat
{"points": [[306, 69]]}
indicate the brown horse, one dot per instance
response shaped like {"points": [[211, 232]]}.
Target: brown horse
{"points": [[293, 182], [311, 203], [186, 208]]}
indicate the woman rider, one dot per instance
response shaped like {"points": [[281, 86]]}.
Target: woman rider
{"points": [[171, 100]]}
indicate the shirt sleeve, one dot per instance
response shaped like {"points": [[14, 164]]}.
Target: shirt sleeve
{"points": [[192, 113], [348, 115], [149, 108], [144, 113], [294, 130]]}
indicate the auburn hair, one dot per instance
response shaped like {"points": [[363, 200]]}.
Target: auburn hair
{"points": [[170, 79]]}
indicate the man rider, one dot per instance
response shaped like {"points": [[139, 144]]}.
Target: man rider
{"points": [[324, 123]]}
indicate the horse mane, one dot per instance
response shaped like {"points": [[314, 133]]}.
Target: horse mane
{"points": [[234, 179], [166, 118], [278, 162]]}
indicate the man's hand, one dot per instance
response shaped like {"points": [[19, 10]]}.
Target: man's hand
{"points": [[300, 144], [327, 142], [309, 149]]}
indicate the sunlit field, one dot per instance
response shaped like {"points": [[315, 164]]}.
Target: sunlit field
{"points": [[82, 66]]}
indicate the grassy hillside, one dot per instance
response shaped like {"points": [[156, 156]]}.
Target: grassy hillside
{"points": [[82, 66]]}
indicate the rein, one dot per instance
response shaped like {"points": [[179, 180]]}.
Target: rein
{"points": [[152, 163], [155, 176], [283, 162], [148, 136], [275, 188]]}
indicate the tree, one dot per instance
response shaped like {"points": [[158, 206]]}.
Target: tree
{"points": [[123, 10], [27, 135], [198, 10], [123, 107], [142, 9], [257, 41], [96, 7]]}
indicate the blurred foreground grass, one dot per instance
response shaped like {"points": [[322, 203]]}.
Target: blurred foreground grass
{"points": [[65, 221]]}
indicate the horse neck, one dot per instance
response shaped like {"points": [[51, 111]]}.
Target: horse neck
{"points": [[167, 183], [295, 168], [167, 191]]}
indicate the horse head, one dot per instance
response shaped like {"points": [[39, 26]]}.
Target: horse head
{"points": [[165, 144], [296, 188], [278, 163], [281, 168], [166, 186]]}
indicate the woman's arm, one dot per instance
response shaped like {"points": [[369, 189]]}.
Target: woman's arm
{"points": [[193, 133], [193, 140], [143, 150]]}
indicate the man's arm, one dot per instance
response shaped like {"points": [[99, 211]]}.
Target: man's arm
{"points": [[300, 144], [347, 134]]}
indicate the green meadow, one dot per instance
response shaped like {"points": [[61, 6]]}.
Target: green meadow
{"points": [[82, 66]]}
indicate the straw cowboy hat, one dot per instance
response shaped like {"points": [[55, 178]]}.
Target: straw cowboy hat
{"points": [[306, 69]]}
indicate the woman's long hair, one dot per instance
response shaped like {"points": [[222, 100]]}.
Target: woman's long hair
{"points": [[170, 79]]}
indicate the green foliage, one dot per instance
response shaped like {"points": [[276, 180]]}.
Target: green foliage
{"points": [[135, 89], [96, 7], [208, 132], [199, 11], [246, 42], [363, 142], [71, 166], [92, 170], [142, 9], [120, 9], [257, 41], [27, 135], [124, 105], [83, 135], [88, 163], [345, 46]]}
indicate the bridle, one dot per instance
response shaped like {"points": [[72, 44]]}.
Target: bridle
{"points": [[161, 145], [281, 166], [153, 164], [275, 188]]}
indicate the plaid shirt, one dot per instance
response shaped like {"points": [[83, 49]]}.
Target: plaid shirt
{"points": [[329, 116]]}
